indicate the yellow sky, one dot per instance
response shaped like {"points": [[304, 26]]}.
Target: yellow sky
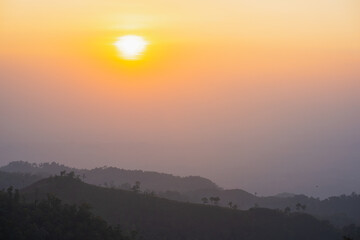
{"points": [[250, 82], [188, 39], [303, 24]]}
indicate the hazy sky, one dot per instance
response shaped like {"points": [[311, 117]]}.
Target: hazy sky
{"points": [[261, 95]]}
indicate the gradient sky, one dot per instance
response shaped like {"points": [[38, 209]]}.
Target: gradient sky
{"points": [[262, 95]]}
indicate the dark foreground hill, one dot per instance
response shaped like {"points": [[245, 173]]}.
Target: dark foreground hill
{"points": [[156, 218], [49, 219]]}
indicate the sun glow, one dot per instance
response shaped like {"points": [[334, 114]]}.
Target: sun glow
{"points": [[131, 47]]}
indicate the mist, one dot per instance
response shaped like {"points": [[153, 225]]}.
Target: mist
{"points": [[264, 135]]}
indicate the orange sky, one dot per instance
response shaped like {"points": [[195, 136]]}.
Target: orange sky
{"points": [[262, 33], [253, 83]]}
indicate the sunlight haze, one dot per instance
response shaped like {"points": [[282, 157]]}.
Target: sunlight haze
{"points": [[246, 93]]}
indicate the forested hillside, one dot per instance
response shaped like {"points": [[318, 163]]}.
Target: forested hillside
{"points": [[157, 218], [339, 210], [50, 219]]}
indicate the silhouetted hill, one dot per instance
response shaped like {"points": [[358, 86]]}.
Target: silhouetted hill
{"points": [[243, 199], [17, 180], [285, 195], [50, 219], [341, 211], [115, 177], [158, 218]]}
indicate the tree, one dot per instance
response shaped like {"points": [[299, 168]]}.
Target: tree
{"points": [[303, 207], [136, 187], [71, 174], [299, 207], [214, 200], [287, 210], [205, 200], [51, 219]]}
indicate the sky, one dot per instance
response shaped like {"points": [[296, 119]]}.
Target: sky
{"points": [[260, 95]]}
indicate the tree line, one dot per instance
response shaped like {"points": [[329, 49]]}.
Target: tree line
{"points": [[50, 219]]}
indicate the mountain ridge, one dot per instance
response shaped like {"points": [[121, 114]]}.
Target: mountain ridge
{"points": [[340, 210], [157, 218], [115, 177]]}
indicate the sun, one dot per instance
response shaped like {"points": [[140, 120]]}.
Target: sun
{"points": [[131, 47]]}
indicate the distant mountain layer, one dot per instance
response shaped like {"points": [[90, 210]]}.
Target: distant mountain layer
{"points": [[285, 195], [115, 177], [157, 218], [340, 211], [17, 180]]}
